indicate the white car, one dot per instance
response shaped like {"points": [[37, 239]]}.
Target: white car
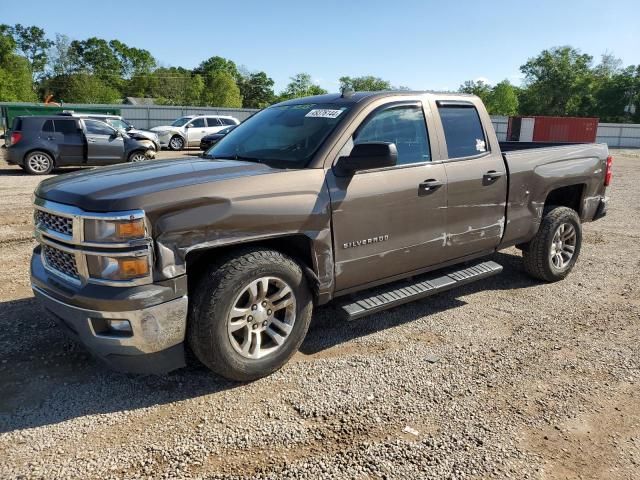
{"points": [[188, 131]]}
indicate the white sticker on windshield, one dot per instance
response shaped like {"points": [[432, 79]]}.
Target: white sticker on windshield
{"points": [[480, 145], [323, 113]]}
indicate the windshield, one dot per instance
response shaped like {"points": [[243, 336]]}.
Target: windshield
{"points": [[180, 122], [282, 136], [117, 123]]}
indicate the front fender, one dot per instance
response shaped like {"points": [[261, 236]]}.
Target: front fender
{"points": [[248, 210]]}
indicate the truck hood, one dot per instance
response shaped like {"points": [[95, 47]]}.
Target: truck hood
{"points": [[138, 185]]}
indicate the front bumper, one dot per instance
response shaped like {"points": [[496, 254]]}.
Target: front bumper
{"points": [[156, 341]]}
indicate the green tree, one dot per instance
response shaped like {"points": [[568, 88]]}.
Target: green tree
{"points": [[96, 56], [367, 83], [503, 99], [87, 88], [218, 64], [478, 88], [15, 72], [256, 90], [559, 81], [221, 90], [301, 86], [31, 44]]}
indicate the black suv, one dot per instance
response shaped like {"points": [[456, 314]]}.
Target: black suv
{"points": [[40, 143]]}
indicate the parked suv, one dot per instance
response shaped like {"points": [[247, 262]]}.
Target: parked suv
{"points": [[40, 143], [145, 137], [188, 131]]}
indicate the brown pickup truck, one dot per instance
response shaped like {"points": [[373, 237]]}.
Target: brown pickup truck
{"points": [[368, 199]]}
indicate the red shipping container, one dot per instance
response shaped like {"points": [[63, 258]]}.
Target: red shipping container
{"points": [[565, 129]]}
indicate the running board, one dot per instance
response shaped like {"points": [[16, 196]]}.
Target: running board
{"points": [[397, 293]]}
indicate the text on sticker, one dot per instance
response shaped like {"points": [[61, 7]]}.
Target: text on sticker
{"points": [[323, 113]]}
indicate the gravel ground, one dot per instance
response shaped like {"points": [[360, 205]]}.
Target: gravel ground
{"points": [[506, 378]]}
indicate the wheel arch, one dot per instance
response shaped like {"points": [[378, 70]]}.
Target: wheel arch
{"points": [[297, 246], [570, 196], [53, 156]]}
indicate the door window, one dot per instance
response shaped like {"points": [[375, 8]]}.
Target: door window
{"points": [[462, 131], [48, 126], [94, 127], [197, 123], [404, 126], [228, 121], [213, 122], [65, 126]]}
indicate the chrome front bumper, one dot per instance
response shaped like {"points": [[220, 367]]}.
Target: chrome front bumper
{"points": [[155, 344]]}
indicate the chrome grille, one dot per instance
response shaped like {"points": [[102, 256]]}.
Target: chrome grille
{"points": [[61, 261], [54, 222]]}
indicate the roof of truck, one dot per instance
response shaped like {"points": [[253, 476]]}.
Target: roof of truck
{"points": [[359, 96]]}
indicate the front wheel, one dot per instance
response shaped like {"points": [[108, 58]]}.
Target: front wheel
{"points": [[250, 313], [176, 143], [553, 252], [38, 163], [136, 157]]}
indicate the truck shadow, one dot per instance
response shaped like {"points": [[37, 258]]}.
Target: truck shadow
{"points": [[46, 378], [325, 332]]}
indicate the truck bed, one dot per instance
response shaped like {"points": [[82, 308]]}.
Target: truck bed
{"points": [[536, 168]]}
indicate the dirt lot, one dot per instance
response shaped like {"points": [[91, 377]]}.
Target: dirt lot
{"points": [[504, 378]]}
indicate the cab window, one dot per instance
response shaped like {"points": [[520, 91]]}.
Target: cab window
{"points": [[462, 130], [213, 122], [402, 125]]}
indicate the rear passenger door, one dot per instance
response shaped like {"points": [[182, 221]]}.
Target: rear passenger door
{"points": [[214, 125], [104, 145], [70, 140], [477, 181]]}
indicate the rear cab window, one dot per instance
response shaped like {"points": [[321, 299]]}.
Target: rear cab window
{"points": [[462, 129], [48, 126]]}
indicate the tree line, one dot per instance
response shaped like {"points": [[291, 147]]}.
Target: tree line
{"points": [[559, 81]]}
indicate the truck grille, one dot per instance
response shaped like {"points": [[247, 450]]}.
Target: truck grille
{"points": [[63, 225], [61, 261]]}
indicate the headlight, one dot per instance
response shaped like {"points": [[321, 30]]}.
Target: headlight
{"points": [[114, 231], [117, 268]]}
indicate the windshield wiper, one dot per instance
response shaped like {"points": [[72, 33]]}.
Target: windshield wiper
{"points": [[236, 157]]}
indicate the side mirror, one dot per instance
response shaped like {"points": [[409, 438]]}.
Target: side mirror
{"points": [[366, 156], [188, 125]]}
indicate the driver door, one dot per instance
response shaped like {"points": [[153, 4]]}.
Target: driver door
{"points": [[104, 144], [196, 129], [388, 221]]}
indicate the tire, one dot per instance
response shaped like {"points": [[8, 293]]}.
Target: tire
{"points": [[38, 163], [552, 253], [226, 318], [176, 143], [137, 157]]}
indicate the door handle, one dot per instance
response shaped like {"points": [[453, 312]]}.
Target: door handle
{"points": [[91, 140], [429, 186], [492, 175]]}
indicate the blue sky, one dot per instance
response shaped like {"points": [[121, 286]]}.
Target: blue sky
{"points": [[419, 44]]}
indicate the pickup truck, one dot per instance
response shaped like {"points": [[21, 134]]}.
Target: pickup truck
{"points": [[369, 200]]}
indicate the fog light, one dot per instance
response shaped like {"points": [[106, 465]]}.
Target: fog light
{"points": [[111, 328], [119, 325]]}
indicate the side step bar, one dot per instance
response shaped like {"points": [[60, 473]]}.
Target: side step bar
{"points": [[377, 300]]}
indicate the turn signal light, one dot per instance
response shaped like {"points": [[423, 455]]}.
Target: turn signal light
{"points": [[133, 267], [132, 229], [608, 173]]}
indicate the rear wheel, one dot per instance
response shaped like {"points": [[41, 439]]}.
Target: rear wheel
{"points": [[250, 313], [553, 252], [176, 143], [38, 163]]}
